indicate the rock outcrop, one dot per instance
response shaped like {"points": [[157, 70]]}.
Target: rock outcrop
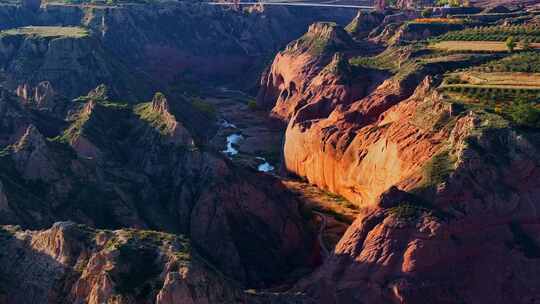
{"points": [[412, 32], [283, 86], [115, 165], [42, 97], [355, 137], [63, 56], [451, 194], [32, 156], [168, 124], [364, 23], [216, 43], [13, 119], [84, 265], [468, 244]]}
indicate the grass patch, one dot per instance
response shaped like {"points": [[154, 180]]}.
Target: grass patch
{"points": [[438, 169], [406, 211], [138, 268], [205, 108], [318, 40]]}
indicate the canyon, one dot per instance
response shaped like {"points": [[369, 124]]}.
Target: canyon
{"points": [[181, 152]]}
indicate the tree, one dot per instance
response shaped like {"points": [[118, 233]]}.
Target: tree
{"points": [[525, 113], [526, 45], [426, 13], [511, 43]]}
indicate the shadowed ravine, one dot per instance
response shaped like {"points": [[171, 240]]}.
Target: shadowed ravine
{"points": [[333, 152]]}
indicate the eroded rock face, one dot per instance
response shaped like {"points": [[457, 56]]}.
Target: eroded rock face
{"points": [[178, 134], [469, 244], [364, 23], [42, 96], [115, 165], [351, 130], [32, 157], [63, 61], [13, 119], [453, 194], [301, 67], [216, 43], [5, 208], [83, 265], [361, 152]]}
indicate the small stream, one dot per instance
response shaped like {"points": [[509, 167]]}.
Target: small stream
{"points": [[234, 140], [265, 166]]}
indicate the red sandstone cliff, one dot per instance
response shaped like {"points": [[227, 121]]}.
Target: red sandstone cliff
{"points": [[453, 192]]}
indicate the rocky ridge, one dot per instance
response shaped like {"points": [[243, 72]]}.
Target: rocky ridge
{"points": [[84, 265], [115, 165], [452, 191], [216, 43]]}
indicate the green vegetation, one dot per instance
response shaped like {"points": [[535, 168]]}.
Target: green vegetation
{"points": [[526, 45], [75, 129], [137, 272], [497, 84], [452, 3], [206, 108], [406, 61], [426, 13], [317, 44], [101, 123], [340, 67], [401, 61], [508, 86], [525, 114], [528, 62], [470, 46], [156, 119], [252, 105], [437, 169], [407, 211], [511, 43], [493, 33], [48, 31], [493, 92]]}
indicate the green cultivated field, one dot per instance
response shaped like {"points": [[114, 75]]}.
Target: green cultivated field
{"points": [[494, 33], [48, 31], [475, 46]]}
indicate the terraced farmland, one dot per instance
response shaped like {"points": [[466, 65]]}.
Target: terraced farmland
{"points": [[475, 46]]}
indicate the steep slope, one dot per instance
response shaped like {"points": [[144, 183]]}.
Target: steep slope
{"points": [[451, 189], [13, 119], [303, 60], [464, 231], [121, 166], [216, 42], [202, 42], [363, 23], [342, 126], [66, 57], [72, 263]]}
